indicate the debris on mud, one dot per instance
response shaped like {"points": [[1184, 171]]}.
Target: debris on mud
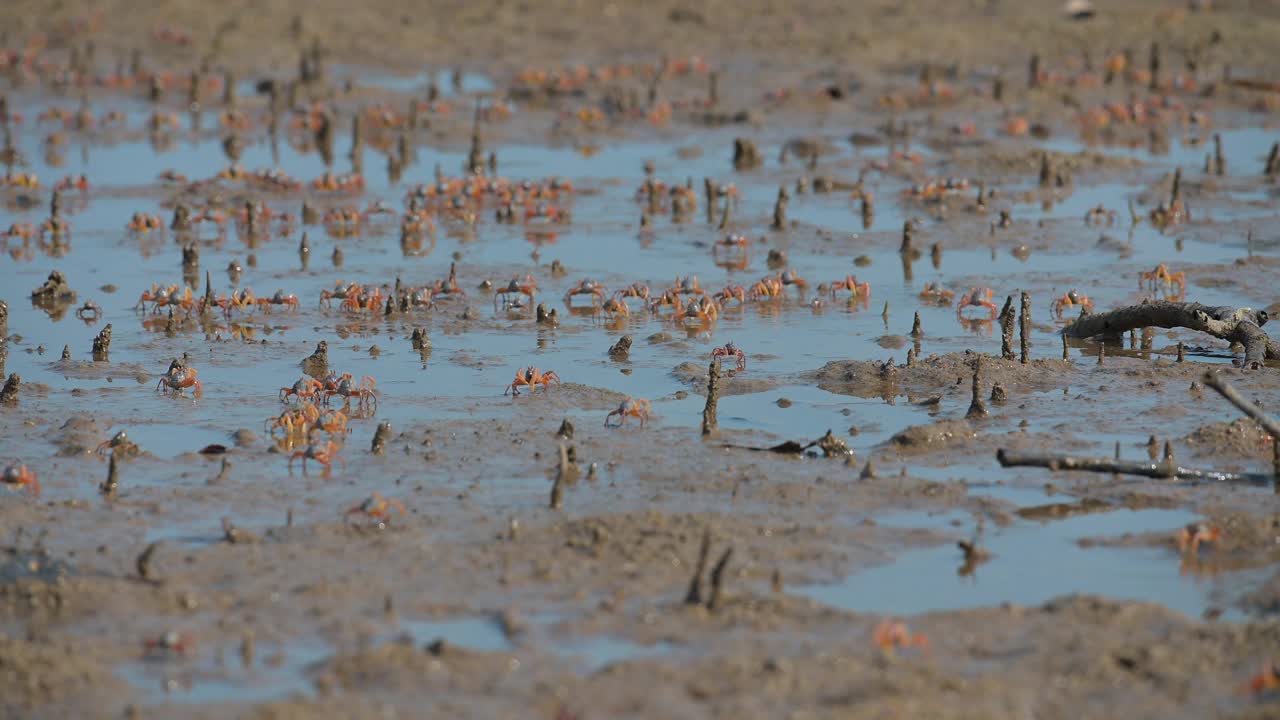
{"points": [[317, 363], [1161, 470], [933, 436]]}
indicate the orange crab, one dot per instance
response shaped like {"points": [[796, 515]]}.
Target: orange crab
{"points": [[163, 297], [333, 422], [347, 388], [305, 389], [20, 476], [631, 407], [767, 287], [892, 634], [667, 300], [687, 285], [1161, 276], [20, 230], [163, 121], [730, 292], [1190, 537], [377, 507], [172, 642], [586, 286], [178, 379], [143, 222], [279, 298], [612, 307], [339, 183], [791, 277], [634, 290], [322, 452], [295, 421], [730, 350], [80, 183], [364, 299], [448, 286], [184, 299], [28, 181], [934, 292], [1266, 680], [1071, 299], [543, 211], [978, 297], [700, 311], [340, 291], [532, 378], [341, 222], [242, 300], [528, 288], [850, 283]]}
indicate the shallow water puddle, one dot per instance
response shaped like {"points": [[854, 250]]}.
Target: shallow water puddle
{"points": [[588, 653], [600, 651], [1245, 150], [1032, 563], [483, 634], [221, 674]]}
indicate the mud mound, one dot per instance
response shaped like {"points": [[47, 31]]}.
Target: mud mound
{"points": [[870, 378], [732, 382]]}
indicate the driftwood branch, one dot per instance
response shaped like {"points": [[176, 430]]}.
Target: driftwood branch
{"points": [[1166, 470], [1224, 389], [1254, 412], [1242, 325]]}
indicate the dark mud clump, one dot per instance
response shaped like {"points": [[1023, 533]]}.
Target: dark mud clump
{"points": [[54, 291]]}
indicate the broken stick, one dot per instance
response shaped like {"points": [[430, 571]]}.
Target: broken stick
{"points": [[1254, 412], [1161, 470], [1224, 389]]}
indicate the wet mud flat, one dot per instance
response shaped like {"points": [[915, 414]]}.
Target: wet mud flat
{"points": [[870, 512]]}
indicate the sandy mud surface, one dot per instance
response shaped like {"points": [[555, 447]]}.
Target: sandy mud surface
{"points": [[598, 360]]}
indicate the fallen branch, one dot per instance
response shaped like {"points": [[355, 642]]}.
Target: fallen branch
{"points": [[1254, 412], [1224, 389], [1166, 470], [1243, 325]]}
